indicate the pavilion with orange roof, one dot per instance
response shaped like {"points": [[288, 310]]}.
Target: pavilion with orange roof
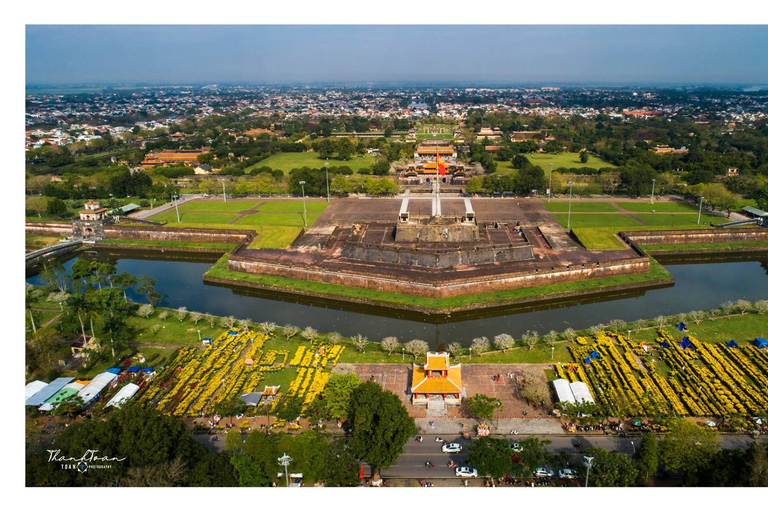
{"points": [[436, 381]]}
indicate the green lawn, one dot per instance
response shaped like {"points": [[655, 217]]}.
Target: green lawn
{"points": [[741, 328], [586, 220], [578, 206], [293, 206], [599, 239], [719, 247], [287, 161], [278, 219], [505, 167], [567, 160], [274, 237], [217, 206], [166, 243], [682, 221], [659, 207], [195, 218]]}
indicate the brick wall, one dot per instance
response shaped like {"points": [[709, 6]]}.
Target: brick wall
{"points": [[697, 236]]}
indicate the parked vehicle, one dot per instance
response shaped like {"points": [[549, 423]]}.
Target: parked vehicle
{"points": [[543, 472], [567, 473], [451, 448], [466, 471], [516, 447]]}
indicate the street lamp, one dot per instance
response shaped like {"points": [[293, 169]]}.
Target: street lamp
{"points": [[701, 201], [633, 446], [285, 461], [178, 219], [549, 190], [588, 463], [403, 353], [653, 187], [629, 334], [304, 200], [327, 185], [224, 188], [470, 352], [570, 195], [199, 338], [553, 351]]}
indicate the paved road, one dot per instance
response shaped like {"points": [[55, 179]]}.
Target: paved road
{"points": [[145, 214]]}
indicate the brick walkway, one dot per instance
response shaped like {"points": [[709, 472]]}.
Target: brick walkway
{"points": [[476, 379]]}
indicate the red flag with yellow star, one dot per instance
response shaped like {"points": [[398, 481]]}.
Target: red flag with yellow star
{"points": [[440, 166]]}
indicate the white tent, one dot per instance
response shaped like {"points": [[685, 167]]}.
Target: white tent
{"points": [[32, 388], [581, 392], [125, 394], [98, 383], [64, 394], [563, 390], [48, 391]]}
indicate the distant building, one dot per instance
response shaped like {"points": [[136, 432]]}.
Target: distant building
{"points": [[526, 135], [93, 211], [203, 169], [666, 150], [489, 133], [732, 172], [171, 157]]}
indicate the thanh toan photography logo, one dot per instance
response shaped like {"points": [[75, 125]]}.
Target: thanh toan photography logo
{"points": [[89, 460]]}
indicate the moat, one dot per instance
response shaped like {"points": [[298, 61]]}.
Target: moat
{"points": [[700, 283]]}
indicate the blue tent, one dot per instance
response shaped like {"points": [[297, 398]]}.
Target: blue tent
{"points": [[664, 344], [587, 360], [595, 354], [682, 327], [147, 370], [133, 369], [732, 344], [233, 333], [686, 343], [116, 371], [760, 342]]}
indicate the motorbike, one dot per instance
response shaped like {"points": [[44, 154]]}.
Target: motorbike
{"points": [[439, 439], [429, 464], [513, 432], [451, 464], [419, 439]]}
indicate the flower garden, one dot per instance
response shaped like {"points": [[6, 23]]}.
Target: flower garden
{"points": [[198, 381], [703, 379]]}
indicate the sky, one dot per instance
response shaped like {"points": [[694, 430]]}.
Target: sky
{"points": [[462, 54]]}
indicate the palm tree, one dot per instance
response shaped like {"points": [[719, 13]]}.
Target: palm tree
{"points": [[78, 305]]}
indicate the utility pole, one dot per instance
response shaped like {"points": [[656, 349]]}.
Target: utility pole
{"points": [[327, 184], [224, 187], [570, 195], [588, 463], [701, 201], [549, 190], [653, 187], [304, 200], [178, 219]]}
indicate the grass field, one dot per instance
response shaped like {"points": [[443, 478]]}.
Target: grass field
{"points": [[217, 206], [278, 219], [588, 220], [673, 221], [32, 243], [166, 243], [577, 206], [195, 217], [293, 206], [659, 207], [287, 161], [719, 247], [567, 160], [274, 237]]}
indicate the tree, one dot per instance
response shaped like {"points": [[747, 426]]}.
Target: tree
{"points": [[416, 347], [647, 458], [611, 469], [618, 325], [550, 338], [324, 148], [390, 344], [530, 339], [257, 466], [196, 316], [728, 308], [78, 306], [480, 345], [309, 451], [163, 315], [211, 320], [181, 313], [214, 470], [145, 310], [491, 456], [535, 388], [660, 321], [583, 157], [340, 467], [54, 275], [56, 207], [229, 322], [245, 323], [146, 287], [570, 334], [686, 448], [761, 306], [359, 341], [756, 458], [380, 426], [596, 329], [454, 349], [483, 407], [696, 316], [503, 342], [124, 280], [336, 396], [534, 455], [289, 331], [743, 305], [233, 442], [334, 337], [345, 148], [268, 327], [309, 334]]}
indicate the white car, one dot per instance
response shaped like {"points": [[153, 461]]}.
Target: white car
{"points": [[516, 447], [567, 473], [466, 471], [543, 472], [451, 448]]}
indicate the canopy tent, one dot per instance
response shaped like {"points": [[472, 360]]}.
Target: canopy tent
{"points": [[732, 344], [207, 341], [62, 395], [147, 370], [587, 360], [125, 394], [595, 354], [232, 333], [251, 398], [32, 388], [48, 391], [686, 343], [98, 383], [682, 327], [134, 369], [664, 344], [760, 342], [581, 392], [115, 371], [249, 362], [563, 390]]}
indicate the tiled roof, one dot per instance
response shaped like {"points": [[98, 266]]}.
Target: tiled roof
{"points": [[423, 384]]}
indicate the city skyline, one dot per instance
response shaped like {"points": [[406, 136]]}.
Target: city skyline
{"points": [[396, 55]]}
